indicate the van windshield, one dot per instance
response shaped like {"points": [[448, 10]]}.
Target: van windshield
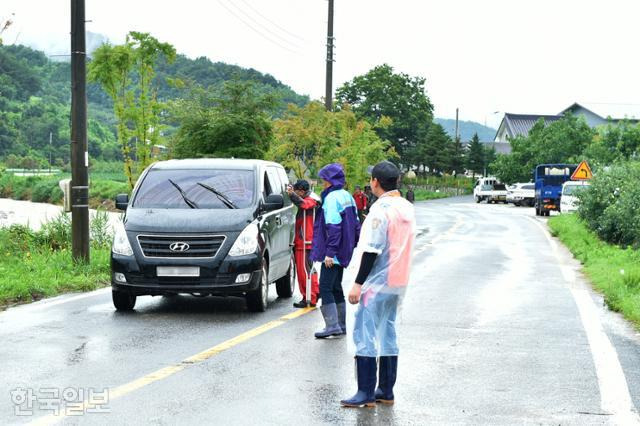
{"points": [[158, 192]]}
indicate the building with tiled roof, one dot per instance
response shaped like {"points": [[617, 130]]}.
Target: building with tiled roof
{"points": [[595, 115]]}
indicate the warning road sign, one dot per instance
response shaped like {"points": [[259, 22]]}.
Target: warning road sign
{"points": [[583, 172]]}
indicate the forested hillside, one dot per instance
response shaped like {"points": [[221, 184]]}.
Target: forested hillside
{"points": [[35, 100], [467, 129]]}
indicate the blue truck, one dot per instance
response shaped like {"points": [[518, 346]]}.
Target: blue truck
{"points": [[549, 179]]}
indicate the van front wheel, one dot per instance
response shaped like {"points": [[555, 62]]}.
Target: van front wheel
{"points": [[286, 285], [123, 301], [257, 299]]}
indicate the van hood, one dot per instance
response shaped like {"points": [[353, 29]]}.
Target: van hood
{"points": [[187, 220]]}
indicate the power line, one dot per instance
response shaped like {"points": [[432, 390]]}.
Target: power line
{"points": [[239, 9], [270, 21], [255, 30]]}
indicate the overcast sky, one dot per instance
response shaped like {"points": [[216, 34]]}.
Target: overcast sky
{"points": [[535, 56]]}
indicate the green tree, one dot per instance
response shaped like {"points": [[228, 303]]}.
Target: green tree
{"points": [[614, 142], [383, 93], [233, 123], [308, 138], [563, 141], [435, 150], [126, 73], [476, 156], [489, 157]]}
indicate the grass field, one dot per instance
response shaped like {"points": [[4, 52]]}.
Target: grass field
{"points": [[613, 270], [45, 189], [423, 195], [38, 264]]}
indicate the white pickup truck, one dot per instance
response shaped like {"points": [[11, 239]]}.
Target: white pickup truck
{"points": [[490, 190]]}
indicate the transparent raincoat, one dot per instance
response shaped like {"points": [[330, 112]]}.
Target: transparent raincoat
{"points": [[389, 231]]}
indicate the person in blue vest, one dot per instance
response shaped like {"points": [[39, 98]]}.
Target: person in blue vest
{"points": [[335, 235]]}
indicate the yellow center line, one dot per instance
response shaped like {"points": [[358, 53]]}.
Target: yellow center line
{"points": [[200, 357]]}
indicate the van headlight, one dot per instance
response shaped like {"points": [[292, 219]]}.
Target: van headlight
{"points": [[121, 243], [247, 241]]}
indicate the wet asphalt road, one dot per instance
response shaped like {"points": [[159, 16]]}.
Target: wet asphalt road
{"points": [[492, 331]]}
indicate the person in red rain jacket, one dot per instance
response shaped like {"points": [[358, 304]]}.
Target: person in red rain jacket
{"points": [[361, 202], [301, 196]]}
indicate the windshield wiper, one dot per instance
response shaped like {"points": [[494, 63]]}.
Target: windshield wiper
{"points": [[227, 202], [186, 199]]}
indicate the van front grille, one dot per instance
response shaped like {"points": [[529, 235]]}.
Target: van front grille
{"points": [[181, 246]]}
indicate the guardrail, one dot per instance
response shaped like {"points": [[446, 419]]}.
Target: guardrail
{"points": [[34, 172]]}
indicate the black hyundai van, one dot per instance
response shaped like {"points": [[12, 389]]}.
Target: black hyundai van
{"points": [[205, 227]]}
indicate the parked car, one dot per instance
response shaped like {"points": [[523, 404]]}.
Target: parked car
{"points": [[489, 189], [205, 227], [569, 201], [521, 194]]}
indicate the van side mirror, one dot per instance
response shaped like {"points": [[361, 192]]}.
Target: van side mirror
{"points": [[273, 202], [122, 201]]}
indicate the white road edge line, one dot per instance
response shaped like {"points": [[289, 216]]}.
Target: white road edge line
{"points": [[59, 300], [614, 391]]}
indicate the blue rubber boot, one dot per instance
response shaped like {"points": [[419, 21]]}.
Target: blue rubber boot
{"points": [[342, 316], [387, 379], [330, 315], [366, 371]]}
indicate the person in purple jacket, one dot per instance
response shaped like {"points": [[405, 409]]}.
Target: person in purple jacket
{"points": [[335, 235]]}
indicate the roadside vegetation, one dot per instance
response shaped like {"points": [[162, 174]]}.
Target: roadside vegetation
{"points": [[613, 270], [605, 235], [611, 205], [424, 195], [37, 264]]}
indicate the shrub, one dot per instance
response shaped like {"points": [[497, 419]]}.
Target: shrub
{"points": [[100, 231], [107, 190], [56, 234], [43, 189], [610, 206], [56, 194]]}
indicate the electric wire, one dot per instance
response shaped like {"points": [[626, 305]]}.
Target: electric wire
{"points": [[261, 34], [257, 12], [262, 26]]}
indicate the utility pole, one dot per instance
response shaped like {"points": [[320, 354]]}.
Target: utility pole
{"points": [[456, 123], [79, 151], [328, 97]]}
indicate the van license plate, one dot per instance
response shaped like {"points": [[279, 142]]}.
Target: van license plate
{"points": [[178, 271]]}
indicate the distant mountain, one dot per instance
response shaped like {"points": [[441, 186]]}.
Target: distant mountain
{"points": [[467, 129]]}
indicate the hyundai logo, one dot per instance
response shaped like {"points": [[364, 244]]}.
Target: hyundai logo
{"points": [[179, 246]]}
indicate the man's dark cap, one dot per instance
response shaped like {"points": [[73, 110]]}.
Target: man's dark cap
{"points": [[386, 172], [301, 184]]}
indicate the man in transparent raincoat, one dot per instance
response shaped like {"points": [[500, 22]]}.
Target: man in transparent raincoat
{"points": [[384, 252]]}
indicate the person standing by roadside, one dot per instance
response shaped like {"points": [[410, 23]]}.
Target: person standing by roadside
{"points": [[361, 202], [300, 195], [384, 252], [370, 197], [411, 196], [335, 235]]}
